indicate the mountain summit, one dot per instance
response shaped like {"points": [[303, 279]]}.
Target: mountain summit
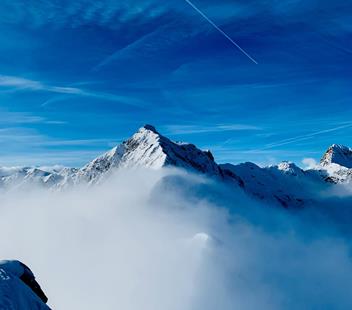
{"points": [[337, 154], [148, 148]]}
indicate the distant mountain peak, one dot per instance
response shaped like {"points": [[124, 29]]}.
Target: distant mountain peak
{"points": [[337, 154], [290, 168]]}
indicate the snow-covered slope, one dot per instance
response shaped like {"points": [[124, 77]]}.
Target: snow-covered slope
{"points": [[292, 186], [19, 177], [286, 183], [336, 164], [148, 148], [18, 288], [337, 154]]}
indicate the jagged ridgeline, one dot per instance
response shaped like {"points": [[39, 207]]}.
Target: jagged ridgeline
{"points": [[285, 184]]}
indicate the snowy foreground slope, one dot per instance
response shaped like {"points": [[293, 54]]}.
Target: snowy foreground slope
{"points": [[285, 184], [17, 288]]}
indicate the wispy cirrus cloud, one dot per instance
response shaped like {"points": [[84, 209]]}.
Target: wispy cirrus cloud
{"points": [[82, 142], [31, 137], [19, 83], [25, 118], [239, 154], [158, 41], [41, 149], [111, 13], [69, 158], [198, 129], [131, 47], [15, 83], [306, 136]]}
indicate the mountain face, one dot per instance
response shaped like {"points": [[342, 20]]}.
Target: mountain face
{"points": [[147, 148], [285, 184], [339, 155], [20, 177], [19, 288]]}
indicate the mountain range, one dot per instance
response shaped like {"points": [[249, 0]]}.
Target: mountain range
{"points": [[285, 184]]}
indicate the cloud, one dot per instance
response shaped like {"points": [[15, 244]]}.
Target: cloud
{"points": [[240, 152], [309, 163], [306, 136], [105, 13], [126, 100], [159, 240], [12, 81], [17, 135], [160, 40], [80, 142], [22, 84], [112, 14], [34, 157], [195, 129], [26, 84], [17, 118], [125, 49], [26, 146]]}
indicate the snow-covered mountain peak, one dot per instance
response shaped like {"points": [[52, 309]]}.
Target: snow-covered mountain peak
{"points": [[147, 131], [337, 154], [146, 134], [148, 148], [289, 168]]}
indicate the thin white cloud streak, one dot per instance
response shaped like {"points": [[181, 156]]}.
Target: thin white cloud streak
{"points": [[221, 31], [153, 43], [98, 95], [80, 142], [14, 135], [106, 13], [22, 84], [195, 129], [111, 13], [305, 137], [35, 158], [28, 147], [120, 51], [16, 118], [27, 84], [228, 153]]}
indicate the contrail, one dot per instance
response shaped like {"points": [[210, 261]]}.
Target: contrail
{"points": [[221, 31], [305, 137]]}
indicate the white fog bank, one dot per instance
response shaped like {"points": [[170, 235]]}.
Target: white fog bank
{"points": [[154, 241]]}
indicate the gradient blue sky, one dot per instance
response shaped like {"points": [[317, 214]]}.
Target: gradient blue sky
{"points": [[77, 77]]}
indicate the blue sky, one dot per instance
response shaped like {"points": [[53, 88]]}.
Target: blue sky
{"points": [[77, 77]]}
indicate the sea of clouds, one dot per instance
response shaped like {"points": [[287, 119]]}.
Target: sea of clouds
{"points": [[157, 240]]}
